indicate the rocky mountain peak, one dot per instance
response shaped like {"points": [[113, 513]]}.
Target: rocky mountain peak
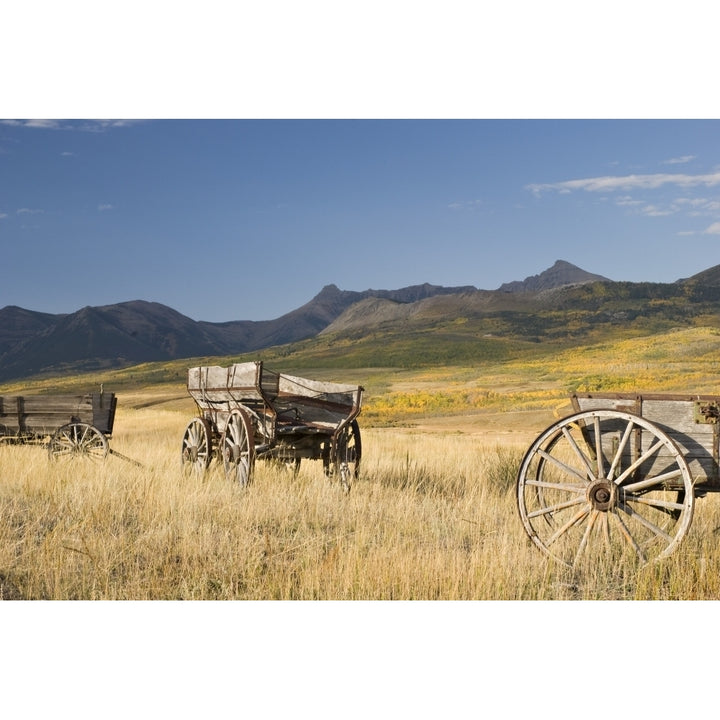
{"points": [[560, 274]]}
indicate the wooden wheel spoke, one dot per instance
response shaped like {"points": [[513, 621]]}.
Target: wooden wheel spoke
{"points": [[620, 450], [580, 455], [659, 532], [654, 481], [82, 442], [625, 532], [563, 466], [643, 458], [606, 528], [663, 505], [598, 447], [565, 487], [586, 535], [574, 520], [551, 509]]}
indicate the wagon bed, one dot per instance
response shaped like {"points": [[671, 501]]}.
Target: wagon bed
{"points": [[70, 425], [620, 475], [32, 415], [246, 411]]}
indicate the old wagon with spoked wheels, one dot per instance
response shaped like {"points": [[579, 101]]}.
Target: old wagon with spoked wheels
{"points": [[619, 476], [70, 426], [247, 412]]}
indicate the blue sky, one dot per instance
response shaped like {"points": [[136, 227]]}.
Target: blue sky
{"points": [[248, 219], [266, 150]]}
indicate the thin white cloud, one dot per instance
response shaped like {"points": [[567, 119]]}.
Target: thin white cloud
{"points": [[714, 229], [692, 207], [611, 183], [655, 211], [43, 124], [680, 160], [67, 154], [698, 206], [693, 202], [626, 200], [466, 205], [29, 211], [79, 125], [105, 206], [3, 215]]}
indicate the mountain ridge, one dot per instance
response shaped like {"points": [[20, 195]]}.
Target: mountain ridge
{"points": [[97, 337], [137, 331]]}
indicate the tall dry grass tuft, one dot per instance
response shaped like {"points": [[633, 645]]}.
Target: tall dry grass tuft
{"points": [[433, 517]]}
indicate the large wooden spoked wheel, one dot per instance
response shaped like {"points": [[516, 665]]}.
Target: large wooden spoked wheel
{"points": [[237, 447], [197, 446], [346, 453], [78, 440], [605, 484]]}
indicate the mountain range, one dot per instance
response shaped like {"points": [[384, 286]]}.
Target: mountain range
{"points": [[129, 333]]}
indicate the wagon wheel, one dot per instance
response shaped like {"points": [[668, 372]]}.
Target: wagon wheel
{"points": [[586, 490], [238, 448], [78, 440], [197, 446], [346, 452]]}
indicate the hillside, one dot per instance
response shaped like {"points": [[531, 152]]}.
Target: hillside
{"points": [[138, 331], [492, 326]]}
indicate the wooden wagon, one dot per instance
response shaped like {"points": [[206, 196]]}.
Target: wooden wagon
{"points": [[620, 476], [70, 426], [247, 412]]}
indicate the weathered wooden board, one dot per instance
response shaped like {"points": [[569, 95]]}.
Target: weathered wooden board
{"points": [[43, 414], [683, 418]]}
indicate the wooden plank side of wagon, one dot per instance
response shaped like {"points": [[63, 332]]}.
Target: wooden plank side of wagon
{"points": [[315, 402], [104, 407], [207, 385], [41, 414], [247, 383], [677, 416]]}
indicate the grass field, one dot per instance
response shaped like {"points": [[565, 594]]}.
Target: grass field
{"points": [[433, 517]]}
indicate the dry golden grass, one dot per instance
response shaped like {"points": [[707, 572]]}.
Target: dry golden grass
{"points": [[432, 517]]}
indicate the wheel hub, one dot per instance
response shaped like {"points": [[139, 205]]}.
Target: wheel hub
{"points": [[602, 495], [232, 453]]}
